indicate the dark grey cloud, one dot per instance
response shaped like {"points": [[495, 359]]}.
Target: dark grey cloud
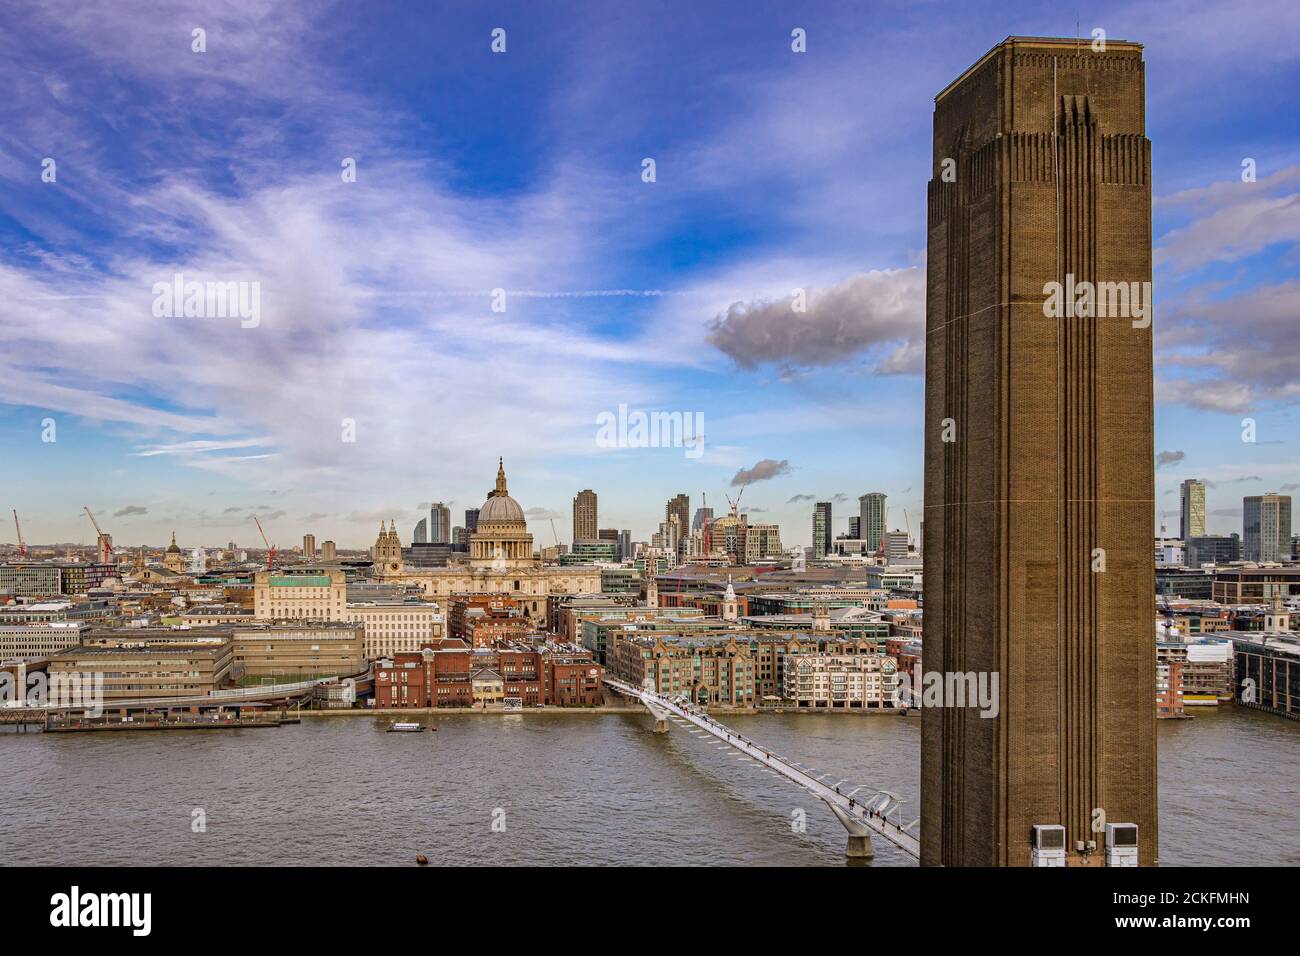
{"points": [[764, 470], [130, 510], [801, 498], [1169, 458], [870, 310], [1232, 352]]}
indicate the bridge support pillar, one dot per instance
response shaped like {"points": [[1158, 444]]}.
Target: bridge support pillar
{"points": [[661, 726], [859, 848]]}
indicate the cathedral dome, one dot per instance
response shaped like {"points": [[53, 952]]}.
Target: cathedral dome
{"points": [[502, 541], [500, 507]]}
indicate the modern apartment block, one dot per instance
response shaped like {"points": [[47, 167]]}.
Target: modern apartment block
{"points": [[1039, 457], [706, 670], [841, 682]]}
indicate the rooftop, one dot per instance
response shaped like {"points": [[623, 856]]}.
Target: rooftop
{"points": [[1051, 44]]}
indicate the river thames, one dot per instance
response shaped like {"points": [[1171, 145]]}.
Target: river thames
{"points": [[560, 789]]}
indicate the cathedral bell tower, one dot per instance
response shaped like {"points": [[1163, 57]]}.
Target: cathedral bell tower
{"points": [[387, 551]]}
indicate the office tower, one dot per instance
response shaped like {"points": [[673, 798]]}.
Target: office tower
{"points": [[439, 523], [1266, 523], [669, 535], [471, 520], [611, 535], [625, 544], [702, 517], [1039, 457], [680, 505], [584, 516], [328, 551], [855, 527], [1212, 549], [821, 530], [895, 546], [1192, 516], [420, 535], [762, 541], [309, 546], [871, 519]]}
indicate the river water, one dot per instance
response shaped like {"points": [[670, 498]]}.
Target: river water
{"points": [[560, 789]]}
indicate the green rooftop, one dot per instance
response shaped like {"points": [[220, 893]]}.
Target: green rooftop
{"points": [[300, 581]]}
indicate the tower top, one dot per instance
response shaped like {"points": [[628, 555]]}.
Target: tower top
{"points": [[1046, 45], [501, 477]]}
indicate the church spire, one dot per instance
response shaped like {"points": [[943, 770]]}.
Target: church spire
{"points": [[501, 477]]}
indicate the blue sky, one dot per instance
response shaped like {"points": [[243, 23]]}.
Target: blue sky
{"points": [[522, 171]]}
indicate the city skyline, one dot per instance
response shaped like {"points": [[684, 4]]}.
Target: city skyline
{"points": [[196, 424]]}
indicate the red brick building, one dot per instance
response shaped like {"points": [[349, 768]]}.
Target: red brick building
{"points": [[442, 675], [460, 604], [434, 676], [572, 678], [521, 672]]}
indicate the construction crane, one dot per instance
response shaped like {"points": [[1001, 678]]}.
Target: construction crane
{"points": [[105, 542], [884, 528], [270, 548], [22, 545], [555, 534], [704, 508], [735, 505]]}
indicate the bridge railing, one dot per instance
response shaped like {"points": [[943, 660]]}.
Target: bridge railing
{"points": [[846, 808]]}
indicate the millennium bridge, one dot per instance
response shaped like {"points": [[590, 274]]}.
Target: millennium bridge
{"points": [[861, 818]]}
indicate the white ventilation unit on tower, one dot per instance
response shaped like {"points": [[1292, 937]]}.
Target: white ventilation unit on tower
{"points": [[1049, 845]]}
